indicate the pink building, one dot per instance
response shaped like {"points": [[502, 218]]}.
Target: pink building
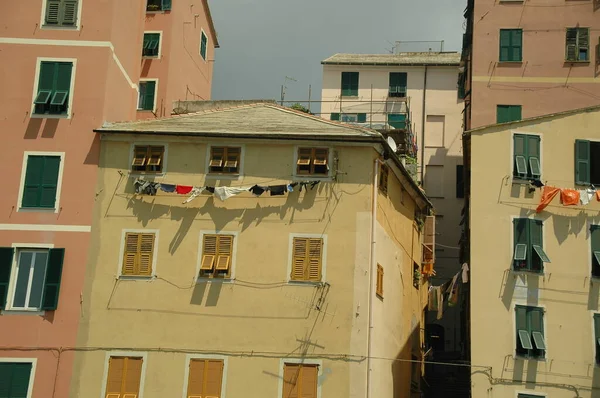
{"points": [[529, 58], [69, 66]]}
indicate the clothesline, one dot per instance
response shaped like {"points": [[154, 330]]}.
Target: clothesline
{"points": [[568, 197], [452, 287]]}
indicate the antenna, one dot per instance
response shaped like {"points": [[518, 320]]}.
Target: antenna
{"points": [[284, 87]]}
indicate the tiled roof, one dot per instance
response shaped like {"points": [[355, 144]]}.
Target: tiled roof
{"points": [[409, 58]]}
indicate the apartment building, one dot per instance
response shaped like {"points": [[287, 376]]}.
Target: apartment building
{"points": [[535, 316], [413, 98], [529, 58], [276, 257], [68, 66]]}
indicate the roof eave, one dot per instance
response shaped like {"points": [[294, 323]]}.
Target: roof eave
{"points": [[211, 24], [390, 63]]}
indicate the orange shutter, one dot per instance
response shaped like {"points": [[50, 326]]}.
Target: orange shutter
{"points": [[146, 254], [299, 259], [308, 381], [429, 240], [132, 376], [315, 255], [139, 156], [156, 155], [321, 155], [291, 379], [379, 289], [130, 256], [114, 380], [232, 157], [216, 156], [224, 252], [209, 252], [196, 378], [213, 378], [304, 155]]}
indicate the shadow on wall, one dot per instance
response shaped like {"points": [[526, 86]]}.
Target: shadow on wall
{"points": [[406, 375]]}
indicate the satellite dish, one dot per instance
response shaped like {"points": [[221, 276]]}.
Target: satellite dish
{"points": [[392, 144]]}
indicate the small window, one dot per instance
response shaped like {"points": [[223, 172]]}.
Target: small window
{"points": [[529, 254], [577, 44], [41, 182], [205, 378], [397, 120], [416, 275], [217, 255], [384, 172], [33, 280], [203, 45], [460, 181], [300, 380], [61, 13], [526, 156], [312, 161], [379, 288], [148, 159], [14, 379], [225, 160], [397, 84], [597, 337], [124, 375], [587, 162], [138, 254], [307, 259], [158, 5], [54, 87], [511, 45], [151, 44], [508, 113], [147, 96], [595, 245], [531, 342], [353, 117], [349, 84]]}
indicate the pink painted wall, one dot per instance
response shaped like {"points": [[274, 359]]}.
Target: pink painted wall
{"points": [[543, 83]]}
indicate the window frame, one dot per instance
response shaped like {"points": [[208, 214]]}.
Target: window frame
{"points": [[186, 371], [152, 275], [162, 10], [320, 177], [511, 47], [298, 361], [384, 172], [144, 80], [542, 309], [129, 354], [390, 91], [36, 84], [577, 46], [33, 362], [530, 251], [511, 106], [158, 49], [205, 56], [288, 276], [148, 151], [61, 168], [232, 265], [222, 174], [75, 27], [135, 173], [513, 167], [349, 91], [592, 258]]}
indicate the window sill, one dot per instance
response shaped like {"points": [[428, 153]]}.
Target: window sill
{"points": [[36, 209], [61, 27], [524, 181], [150, 57], [349, 96], [510, 63], [157, 11], [201, 279], [577, 62], [144, 174], [309, 177], [49, 116], [305, 283], [528, 272], [23, 312], [137, 278], [527, 358], [153, 111]]}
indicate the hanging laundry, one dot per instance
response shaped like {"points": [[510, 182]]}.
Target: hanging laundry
{"points": [[277, 190], [289, 188], [210, 189], [453, 295], [585, 196], [434, 291], [167, 187], [257, 190], [440, 303], [547, 195], [183, 189], [598, 195], [569, 197], [196, 191], [313, 184], [536, 183], [465, 273], [224, 193], [146, 187]]}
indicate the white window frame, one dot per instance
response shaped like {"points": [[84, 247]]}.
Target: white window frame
{"points": [[513, 309], [303, 361], [231, 278], [61, 169], [288, 277], [159, 56], [122, 253], [186, 372], [33, 362], [308, 177], [36, 84], [142, 173], [512, 156], [50, 27], [202, 32], [133, 354], [155, 94], [217, 176]]}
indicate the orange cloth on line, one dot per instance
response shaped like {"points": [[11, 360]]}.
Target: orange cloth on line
{"points": [[569, 197], [547, 195], [598, 195]]}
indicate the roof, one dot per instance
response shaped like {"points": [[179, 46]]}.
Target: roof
{"points": [[407, 59], [211, 24]]}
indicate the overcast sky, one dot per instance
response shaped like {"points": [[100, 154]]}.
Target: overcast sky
{"points": [[263, 41]]}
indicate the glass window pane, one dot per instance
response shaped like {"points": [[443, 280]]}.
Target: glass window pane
{"points": [[525, 339], [520, 252], [21, 287], [37, 282], [538, 339], [521, 165], [540, 252]]}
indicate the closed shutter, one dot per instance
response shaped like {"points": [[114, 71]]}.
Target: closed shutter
{"points": [[52, 12], [138, 254], [14, 379], [582, 162], [516, 45], [214, 376], [571, 44], [309, 376], [291, 380], [224, 252], [146, 253], [398, 79], [205, 378], [521, 326], [520, 155], [583, 44], [148, 100], [299, 258], [32, 189], [315, 254], [501, 114], [53, 279], [522, 249], [354, 83], [131, 379], [515, 113], [597, 336], [166, 5], [6, 261], [69, 12], [361, 118], [335, 116], [203, 42], [130, 254], [196, 378], [49, 181], [114, 380], [504, 45], [595, 244]]}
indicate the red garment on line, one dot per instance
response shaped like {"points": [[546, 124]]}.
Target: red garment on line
{"points": [[569, 197], [598, 195], [547, 195], [183, 189]]}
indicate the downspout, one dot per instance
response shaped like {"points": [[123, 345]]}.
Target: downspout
{"points": [[372, 266], [423, 127]]}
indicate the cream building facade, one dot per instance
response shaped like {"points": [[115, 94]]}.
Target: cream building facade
{"points": [[310, 293], [535, 316]]}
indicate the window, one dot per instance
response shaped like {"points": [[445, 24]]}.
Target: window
{"points": [[205, 378], [529, 253], [123, 379], [148, 159], [397, 120], [61, 13], [217, 253], [32, 282], [587, 162], [151, 44], [429, 240], [225, 160], [350, 117], [203, 44], [511, 45], [597, 337], [158, 5], [41, 182], [349, 84], [307, 259], [312, 161], [460, 181], [508, 113], [577, 44], [528, 395], [300, 380], [14, 379], [147, 96], [416, 275], [526, 156], [138, 254], [397, 84], [379, 287], [595, 245], [384, 172], [530, 331], [54, 86]]}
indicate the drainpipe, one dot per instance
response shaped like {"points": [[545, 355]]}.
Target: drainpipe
{"points": [[423, 127], [372, 266]]}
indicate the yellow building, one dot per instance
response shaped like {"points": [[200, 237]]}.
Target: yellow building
{"points": [[535, 320], [287, 294]]}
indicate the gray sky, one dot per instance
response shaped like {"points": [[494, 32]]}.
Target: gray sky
{"points": [[262, 41]]}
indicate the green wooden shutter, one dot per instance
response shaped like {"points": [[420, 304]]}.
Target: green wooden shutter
{"points": [[595, 245], [514, 113], [521, 237], [504, 45], [52, 12], [345, 83], [49, 181], [516, 41], [519, 155], [361, 118], [148, 100], [166, 5], [354, 83], [32, 190], [6, 261], [533, 151], [53, 278], [335, 116], [535, 238], [14, 379], [62, 87], [582, 162], [597, 336], [536, 324], [521, 324], [69, 12], [203, 42], [501, 113]]}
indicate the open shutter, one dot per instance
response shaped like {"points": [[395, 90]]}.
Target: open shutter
{"points": [[597, 336], [291, 380], [533, 155], [214, 376], [582, 162], [69, 12], [520, 155], [52, 12], [308, 381], [53, 278], [224, 252], [428, 256], [6, 261], [209, 253], [166, 5], [595, 244], [196, 378], [114, 379], [146, 254], [148, 100], [521, 329], [521, 241], [32, 188], [49, 183], [379, 285], [583, 44], [299, 258], [131, 254], [132, 375], [315, 258], [536, 328]]}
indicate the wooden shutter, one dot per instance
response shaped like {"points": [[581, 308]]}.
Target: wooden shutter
{"points": [[146, 254], [69, 12], [315, 258], [582, 162], [516, 42], [299, 258], [138, 254], [131, 377], [114, 380], [571, 44], [594, 242], [49, 181], [536, 324], [321, 156], [156, 154], [53, 279], [224, 252], [33, 181], [597, 336], [583, 43], [217, 155], [14, 379], [501, 114], [209, 252], [6, 261], [140, 156], [232, 158], [379, 288], [130, 256], [214, 377], [504, 45], [291, 380], [205, 378], [166, 5], [354, 83], [429, 240], [383, 178], [196, 378], [361, 118], [521, 324], [308, 381], [148, 98], [535, 239], [304, 156], [334, 116], [519, 151], [52, 12], [521, 237], [515, 113]]}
